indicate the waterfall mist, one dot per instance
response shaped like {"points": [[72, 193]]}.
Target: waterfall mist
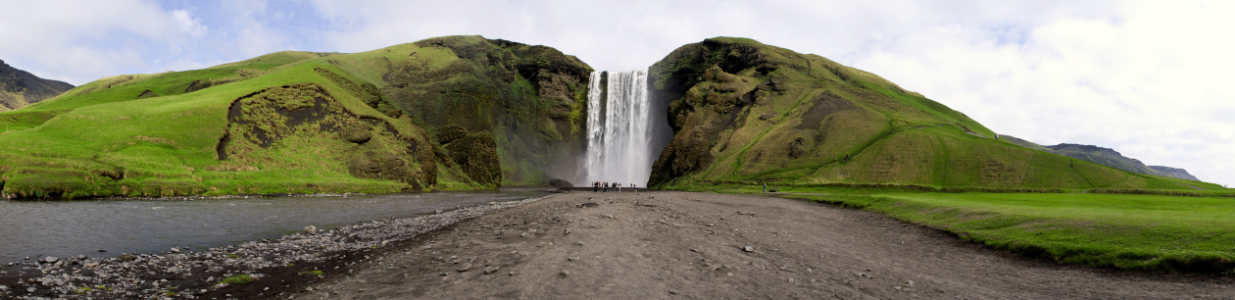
{"points": [[621, 128]]}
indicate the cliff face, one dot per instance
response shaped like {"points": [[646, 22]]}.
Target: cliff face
{"points": [[531, 98], [20, 88]]}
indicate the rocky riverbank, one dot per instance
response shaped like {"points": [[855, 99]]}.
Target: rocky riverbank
{"points": [[216, 273]]}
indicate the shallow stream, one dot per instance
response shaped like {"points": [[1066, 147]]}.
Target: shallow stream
{"points": [[71, 228]]}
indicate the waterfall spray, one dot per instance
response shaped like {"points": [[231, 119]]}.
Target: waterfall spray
{"points": [[619, 140]]}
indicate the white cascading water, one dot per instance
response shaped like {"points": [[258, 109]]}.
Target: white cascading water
{"points": [[619, 140]]}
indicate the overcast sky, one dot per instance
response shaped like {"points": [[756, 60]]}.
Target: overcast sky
{"points": [[1151, 79]]}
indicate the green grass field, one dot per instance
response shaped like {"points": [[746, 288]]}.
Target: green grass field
{"points": [[1139, 232]]}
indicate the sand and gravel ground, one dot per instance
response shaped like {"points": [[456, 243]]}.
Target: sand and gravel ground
{"points": [[681, 245]]}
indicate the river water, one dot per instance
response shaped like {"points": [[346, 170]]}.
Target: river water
{"points": [[71, 228]]}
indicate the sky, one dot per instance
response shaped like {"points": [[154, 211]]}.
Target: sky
{"points": [[1149, 79]]}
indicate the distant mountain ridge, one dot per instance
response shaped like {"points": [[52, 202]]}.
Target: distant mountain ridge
{"points": [[19, 88], [1103, 156], [1174, 172]]}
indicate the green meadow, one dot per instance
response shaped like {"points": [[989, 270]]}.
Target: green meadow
{"points": [[1125, 231]]}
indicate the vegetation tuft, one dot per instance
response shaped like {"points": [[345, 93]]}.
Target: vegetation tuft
{"points": [[237, 279]]}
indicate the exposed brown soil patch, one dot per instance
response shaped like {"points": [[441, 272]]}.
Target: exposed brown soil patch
{"points": [[825, 104], [691, 246]]}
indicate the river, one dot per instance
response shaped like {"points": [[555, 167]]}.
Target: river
{"points": [[71, 228]]}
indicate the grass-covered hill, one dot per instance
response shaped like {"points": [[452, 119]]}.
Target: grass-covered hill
{"points": [[20, 88], [745, 111], [458, 112]]}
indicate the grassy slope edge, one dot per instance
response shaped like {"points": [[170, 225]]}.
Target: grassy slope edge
{"points": [[745, 111], [1135, 232], [178, 133]]}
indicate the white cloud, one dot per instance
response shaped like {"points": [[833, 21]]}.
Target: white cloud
{"points": [[1146, 82], [61, 39], [188, 24], [253, 37]]}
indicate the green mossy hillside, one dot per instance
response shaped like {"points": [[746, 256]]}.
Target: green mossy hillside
{"points": [[530, 98], [301, 122], [743, 111]]}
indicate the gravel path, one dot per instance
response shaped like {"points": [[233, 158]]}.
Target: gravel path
{"points": [[716, 246]]}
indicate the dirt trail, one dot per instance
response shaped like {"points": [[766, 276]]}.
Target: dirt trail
{"points": [[690, 246]]}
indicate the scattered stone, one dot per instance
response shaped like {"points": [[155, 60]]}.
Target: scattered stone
{"points": [[102, 251], [580, 243], [572, 258], [464, 268], [137, 276], [564, 273], [310, 229], [748, 249]]}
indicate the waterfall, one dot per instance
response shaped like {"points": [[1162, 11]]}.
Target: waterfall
{"points": [[619, 140]]}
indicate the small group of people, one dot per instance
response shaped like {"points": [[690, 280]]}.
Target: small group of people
{"points": [[602, 186]]}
